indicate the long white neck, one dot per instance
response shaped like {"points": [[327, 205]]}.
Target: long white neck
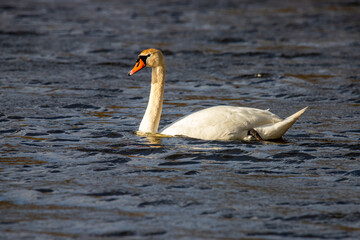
{"points": [[151, 119]]}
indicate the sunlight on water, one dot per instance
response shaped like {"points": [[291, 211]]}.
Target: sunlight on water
{"points": [[74, 166]]}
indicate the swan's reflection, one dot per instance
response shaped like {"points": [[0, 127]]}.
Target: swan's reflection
{"points": [[153, 139]]}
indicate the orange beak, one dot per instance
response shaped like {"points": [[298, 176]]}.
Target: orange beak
{"points": [[138, 66]]}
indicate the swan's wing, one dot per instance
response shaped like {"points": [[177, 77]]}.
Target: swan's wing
{"points": [[221, 122], [277, 130]]}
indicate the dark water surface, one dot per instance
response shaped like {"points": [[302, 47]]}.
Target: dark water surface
{"points": [[72, 167]]}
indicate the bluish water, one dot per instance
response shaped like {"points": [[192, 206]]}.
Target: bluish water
{"points": [[71, 165]]}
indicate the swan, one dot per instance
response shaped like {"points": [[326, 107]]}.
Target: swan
{"points": [[214, 123]]}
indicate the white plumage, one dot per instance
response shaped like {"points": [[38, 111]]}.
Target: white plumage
{"points": [[222, 123], [215, 123]]}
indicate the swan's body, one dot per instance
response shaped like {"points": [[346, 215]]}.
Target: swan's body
{"points": [[231, 123], [215, 123]]}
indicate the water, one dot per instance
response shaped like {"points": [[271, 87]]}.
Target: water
{"points": [[72, 167]]}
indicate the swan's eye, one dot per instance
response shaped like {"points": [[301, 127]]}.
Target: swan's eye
{"points": [[143, 58]]}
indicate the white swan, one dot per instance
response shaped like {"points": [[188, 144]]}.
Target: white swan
{"points": [[215, 123]]}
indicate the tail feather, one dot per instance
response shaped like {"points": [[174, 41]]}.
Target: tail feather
{"points": [[277, 130]]}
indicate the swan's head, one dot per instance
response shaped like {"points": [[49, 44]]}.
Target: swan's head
{"points": [[148, 58]]}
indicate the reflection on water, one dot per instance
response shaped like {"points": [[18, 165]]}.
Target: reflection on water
{"points": [[154, 140], [73, 166]]}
